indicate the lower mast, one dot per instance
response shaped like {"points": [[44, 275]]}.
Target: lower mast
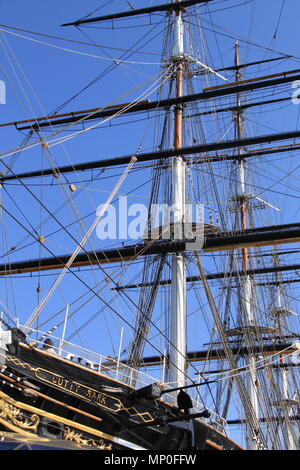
{"points": [[177, 336], [280, 311], [247, 295]]}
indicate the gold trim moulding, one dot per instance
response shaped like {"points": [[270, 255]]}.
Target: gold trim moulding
{"points": [[12, 416]]}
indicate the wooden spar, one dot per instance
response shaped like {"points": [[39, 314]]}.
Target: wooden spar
{"points": [[146, 157], [218, 354], [141, 11], [222, 242], [222, 275], [103, 111], [231, 109], [73, 113], [249, 64], [285, 77], [272, 419], [252, 80]]}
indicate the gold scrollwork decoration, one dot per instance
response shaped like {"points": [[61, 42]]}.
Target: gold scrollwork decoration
{"points": [[14, 415], [75, 436]]}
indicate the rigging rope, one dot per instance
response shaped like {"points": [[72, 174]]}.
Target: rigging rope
{"points": [[80, 246]]}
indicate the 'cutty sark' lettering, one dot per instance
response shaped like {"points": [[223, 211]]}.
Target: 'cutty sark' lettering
{"points": [[87, 393]]}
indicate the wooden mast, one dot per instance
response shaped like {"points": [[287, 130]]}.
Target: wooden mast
{"points": [[280, 311], [251, 378], [177, 344]]}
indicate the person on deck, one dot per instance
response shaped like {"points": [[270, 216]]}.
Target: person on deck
{"points": [[48, 346]]}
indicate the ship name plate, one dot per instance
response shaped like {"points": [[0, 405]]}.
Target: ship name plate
{"points": [[94, 396]]}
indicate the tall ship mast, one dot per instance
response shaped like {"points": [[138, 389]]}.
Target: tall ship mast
{"points": [[163, 315]]}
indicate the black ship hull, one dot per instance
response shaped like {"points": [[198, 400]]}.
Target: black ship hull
{"points": [[46, 396]]}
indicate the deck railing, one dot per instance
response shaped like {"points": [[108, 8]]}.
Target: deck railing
{"points": [[116, 369]]}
